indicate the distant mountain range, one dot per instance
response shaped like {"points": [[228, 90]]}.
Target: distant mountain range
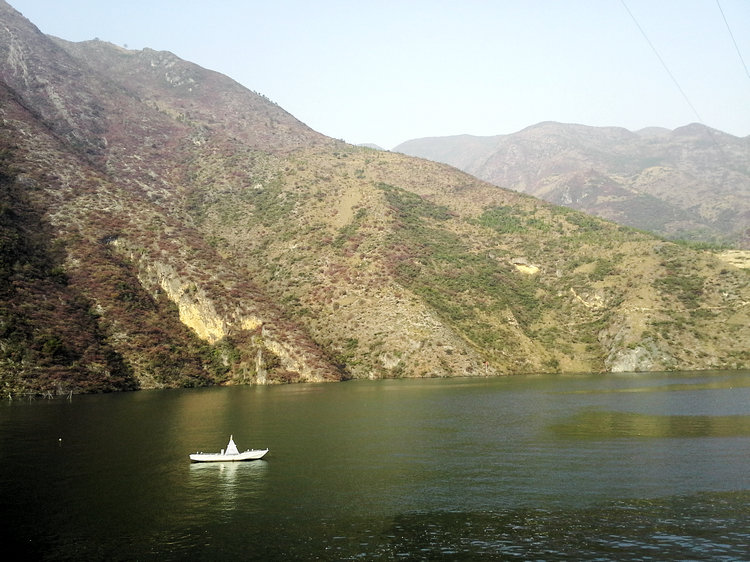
{"points": [[162, 226], [692, 183]]}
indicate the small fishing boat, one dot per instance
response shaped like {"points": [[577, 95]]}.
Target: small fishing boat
{"points": [[229, 454]]}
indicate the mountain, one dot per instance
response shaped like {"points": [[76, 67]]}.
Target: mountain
{"points": [[162, 226], [691, 183]]}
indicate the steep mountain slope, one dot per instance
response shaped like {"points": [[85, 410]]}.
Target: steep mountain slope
{"points": [[174, 228], [103, 168], [693, 182]]}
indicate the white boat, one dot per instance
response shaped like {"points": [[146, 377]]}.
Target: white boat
{"points": [[230, 454]]}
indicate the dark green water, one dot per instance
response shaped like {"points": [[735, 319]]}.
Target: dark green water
{"points": [[615, 467]]}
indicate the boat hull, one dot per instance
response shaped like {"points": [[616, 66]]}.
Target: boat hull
{"points": [[250, 455]]}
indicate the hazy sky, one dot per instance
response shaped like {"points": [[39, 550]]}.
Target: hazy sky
{"points": [[386, 71]]}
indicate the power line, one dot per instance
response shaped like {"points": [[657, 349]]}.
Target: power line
{"points": [[729, 29], [661, 60]]}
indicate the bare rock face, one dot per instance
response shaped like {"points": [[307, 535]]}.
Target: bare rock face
{"points": [[163, 226], [641, 358]]}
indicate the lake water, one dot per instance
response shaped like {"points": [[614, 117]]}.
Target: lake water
{"points": [[636, 466]]}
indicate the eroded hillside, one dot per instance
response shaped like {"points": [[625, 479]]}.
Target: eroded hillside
{"points": [[205, 236]]}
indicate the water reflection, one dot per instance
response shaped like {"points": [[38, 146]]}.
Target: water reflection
{"points": [[226, 486], [227, 471], [597, 424], [623, 383]]}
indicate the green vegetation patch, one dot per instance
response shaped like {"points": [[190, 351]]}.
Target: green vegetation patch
{"points": [[681, 279], [505, 219], [409, 207], [472, 291]]}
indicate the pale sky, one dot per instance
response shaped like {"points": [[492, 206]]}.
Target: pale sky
{"points": [[387, 71]]}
